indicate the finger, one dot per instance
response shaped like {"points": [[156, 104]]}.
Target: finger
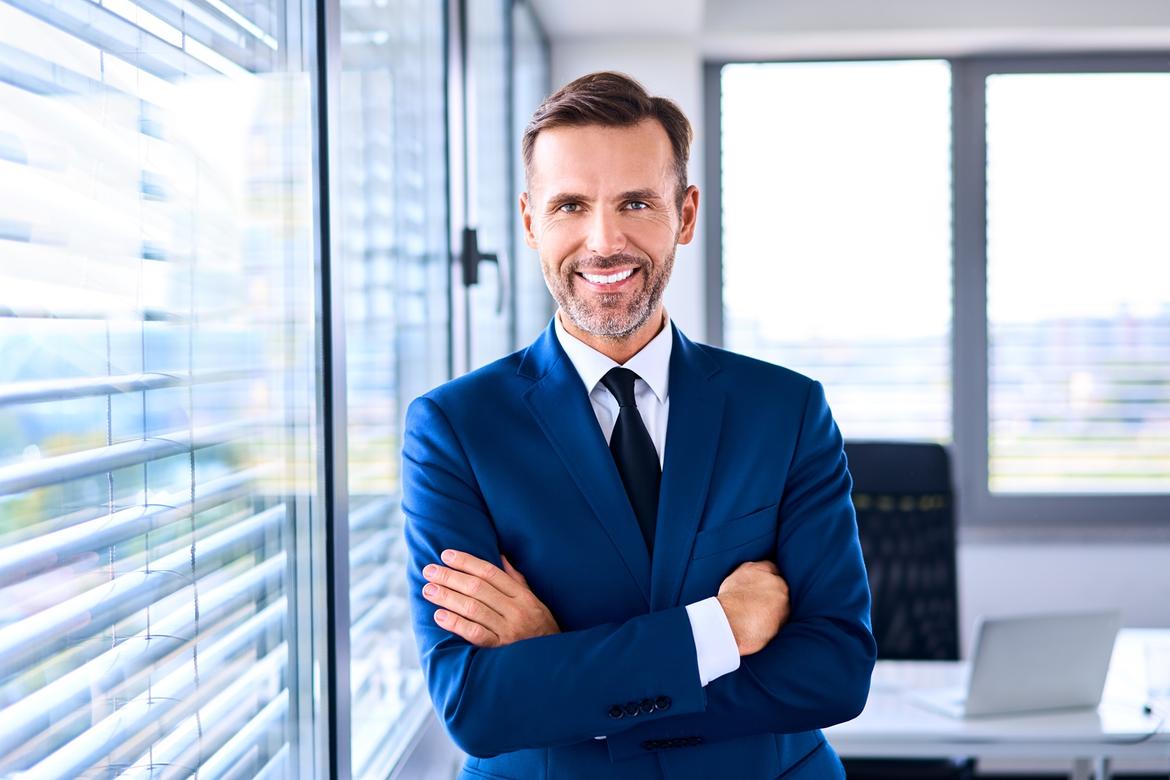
{"points": [[513, 572], [766, 565], [478, 567], [464, 606], [471, 631], [468, 585]]}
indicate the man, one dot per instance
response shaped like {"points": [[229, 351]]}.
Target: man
{"points": [[631, 556]]}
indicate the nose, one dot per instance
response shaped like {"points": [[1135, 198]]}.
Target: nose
{"points": [[605, 235]]}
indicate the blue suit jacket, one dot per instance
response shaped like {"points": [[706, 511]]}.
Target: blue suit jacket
{"points": [[511, 459]]}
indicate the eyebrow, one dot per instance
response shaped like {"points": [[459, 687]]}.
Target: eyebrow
{"points": [[644, 194], [561, 198]]}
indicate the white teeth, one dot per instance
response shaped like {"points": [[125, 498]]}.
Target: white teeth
{"points": [[598, 279]]}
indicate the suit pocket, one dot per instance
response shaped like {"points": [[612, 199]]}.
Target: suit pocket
{"points": [[750, 529]]}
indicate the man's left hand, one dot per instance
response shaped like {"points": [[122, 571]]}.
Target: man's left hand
{"points": [[486, 605]]}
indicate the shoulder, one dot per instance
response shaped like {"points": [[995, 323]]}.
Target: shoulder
{"points": [[493, 382], [736, 370]]}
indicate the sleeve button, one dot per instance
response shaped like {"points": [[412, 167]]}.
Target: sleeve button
{"points": [[632, 709], [662, 703], [616, 712], [646, 705]]}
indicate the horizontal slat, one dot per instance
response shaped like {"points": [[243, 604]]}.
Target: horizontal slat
{"points": [[45, 632], [72, 758], [19, 477], [277, 766], [82, 387], [47, 551], [101, 674], [257, 730], [177, 754], [109, 32]]}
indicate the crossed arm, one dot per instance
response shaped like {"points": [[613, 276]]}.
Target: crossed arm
{"points": [[495, 692], [493, 607]]}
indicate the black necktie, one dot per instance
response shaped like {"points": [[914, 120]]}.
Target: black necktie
{"points": [[633, 451]]}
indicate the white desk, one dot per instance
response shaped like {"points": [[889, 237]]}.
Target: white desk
{"points": [[893, 726]]}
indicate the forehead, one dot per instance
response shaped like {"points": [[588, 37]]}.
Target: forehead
{"points": [[598, 158]]}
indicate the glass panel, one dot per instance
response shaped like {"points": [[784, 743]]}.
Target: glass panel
{"points": [[1078, 292], [490, 149], [837, 234], [393, 224], [530, 85], [157, 445]]}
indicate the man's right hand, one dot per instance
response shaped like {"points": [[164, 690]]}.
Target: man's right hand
{"points": [[755, 599]]}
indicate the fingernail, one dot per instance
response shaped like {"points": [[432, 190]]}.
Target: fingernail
{"points": [[430, 570], [430, 590], [441, 616], [448, 556]]}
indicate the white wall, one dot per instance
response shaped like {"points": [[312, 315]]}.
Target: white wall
{"points": [[673, 69]]}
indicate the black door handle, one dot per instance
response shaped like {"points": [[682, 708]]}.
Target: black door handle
{"points": [[471, 257]]}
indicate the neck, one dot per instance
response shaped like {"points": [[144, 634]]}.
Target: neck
{"points": [[619, 349]]}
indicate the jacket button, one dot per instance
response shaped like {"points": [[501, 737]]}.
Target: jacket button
{"points": [[662, 703], [616, 712], [632, 709], [646, 705]]}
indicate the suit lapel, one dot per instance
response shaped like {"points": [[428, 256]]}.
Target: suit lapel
{"points": [[559, 402], [692, 438]]}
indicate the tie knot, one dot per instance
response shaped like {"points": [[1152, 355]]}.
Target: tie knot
{"points": [[620, 382]]}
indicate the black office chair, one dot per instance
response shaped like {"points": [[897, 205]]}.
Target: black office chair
{"points": [[904, 499]]}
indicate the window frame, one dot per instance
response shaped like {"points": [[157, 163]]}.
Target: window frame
{"points": [[982, 515]]}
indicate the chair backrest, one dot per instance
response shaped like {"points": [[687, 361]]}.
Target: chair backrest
{"points": [[903, 495]]}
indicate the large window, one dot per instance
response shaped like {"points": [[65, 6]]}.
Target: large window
{"points": [[1078, 271], [851, 194], [393, 257], [157, 391], [836, 234], [225, 270]]}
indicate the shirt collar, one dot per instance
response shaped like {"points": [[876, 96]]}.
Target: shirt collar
{"points": [[652, 363]]}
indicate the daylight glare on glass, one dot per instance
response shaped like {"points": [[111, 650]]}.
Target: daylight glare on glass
{"points": [[837, 234], [1078, 295]]}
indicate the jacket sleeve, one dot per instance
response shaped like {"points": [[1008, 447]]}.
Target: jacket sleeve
{"points": [[816, 672], [538, 692]]}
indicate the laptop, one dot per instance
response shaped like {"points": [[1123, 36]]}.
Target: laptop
{"points": [[1031, 663]]}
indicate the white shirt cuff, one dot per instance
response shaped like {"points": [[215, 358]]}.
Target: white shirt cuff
{"points": [[714, 643]]}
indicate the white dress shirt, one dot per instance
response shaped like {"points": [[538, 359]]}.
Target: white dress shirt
{"points": [[714, 642]]}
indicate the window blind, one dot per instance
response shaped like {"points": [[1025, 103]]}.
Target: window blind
{"points": [[157, 397]]}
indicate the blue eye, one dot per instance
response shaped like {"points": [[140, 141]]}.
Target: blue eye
{"points": [[568, 208], [638, 205]]}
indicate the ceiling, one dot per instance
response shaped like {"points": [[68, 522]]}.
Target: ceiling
{"points": [[755, 28]]}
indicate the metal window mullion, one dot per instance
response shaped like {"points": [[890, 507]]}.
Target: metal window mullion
{"points": [[713, 182], [969, 332], [333, 654]]}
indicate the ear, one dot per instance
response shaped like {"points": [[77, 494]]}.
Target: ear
{"points": [[689, 215], [526, 218]]}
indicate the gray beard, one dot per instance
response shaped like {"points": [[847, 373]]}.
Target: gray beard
{"points": [[608, 318]]}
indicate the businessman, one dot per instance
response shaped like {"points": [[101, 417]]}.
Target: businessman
{"points": [[630, 555]]}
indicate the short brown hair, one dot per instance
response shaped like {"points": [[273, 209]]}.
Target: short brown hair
{"points": [[611, 99]]}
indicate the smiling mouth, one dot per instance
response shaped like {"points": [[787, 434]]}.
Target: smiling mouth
{"points": [[607, 280]]}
